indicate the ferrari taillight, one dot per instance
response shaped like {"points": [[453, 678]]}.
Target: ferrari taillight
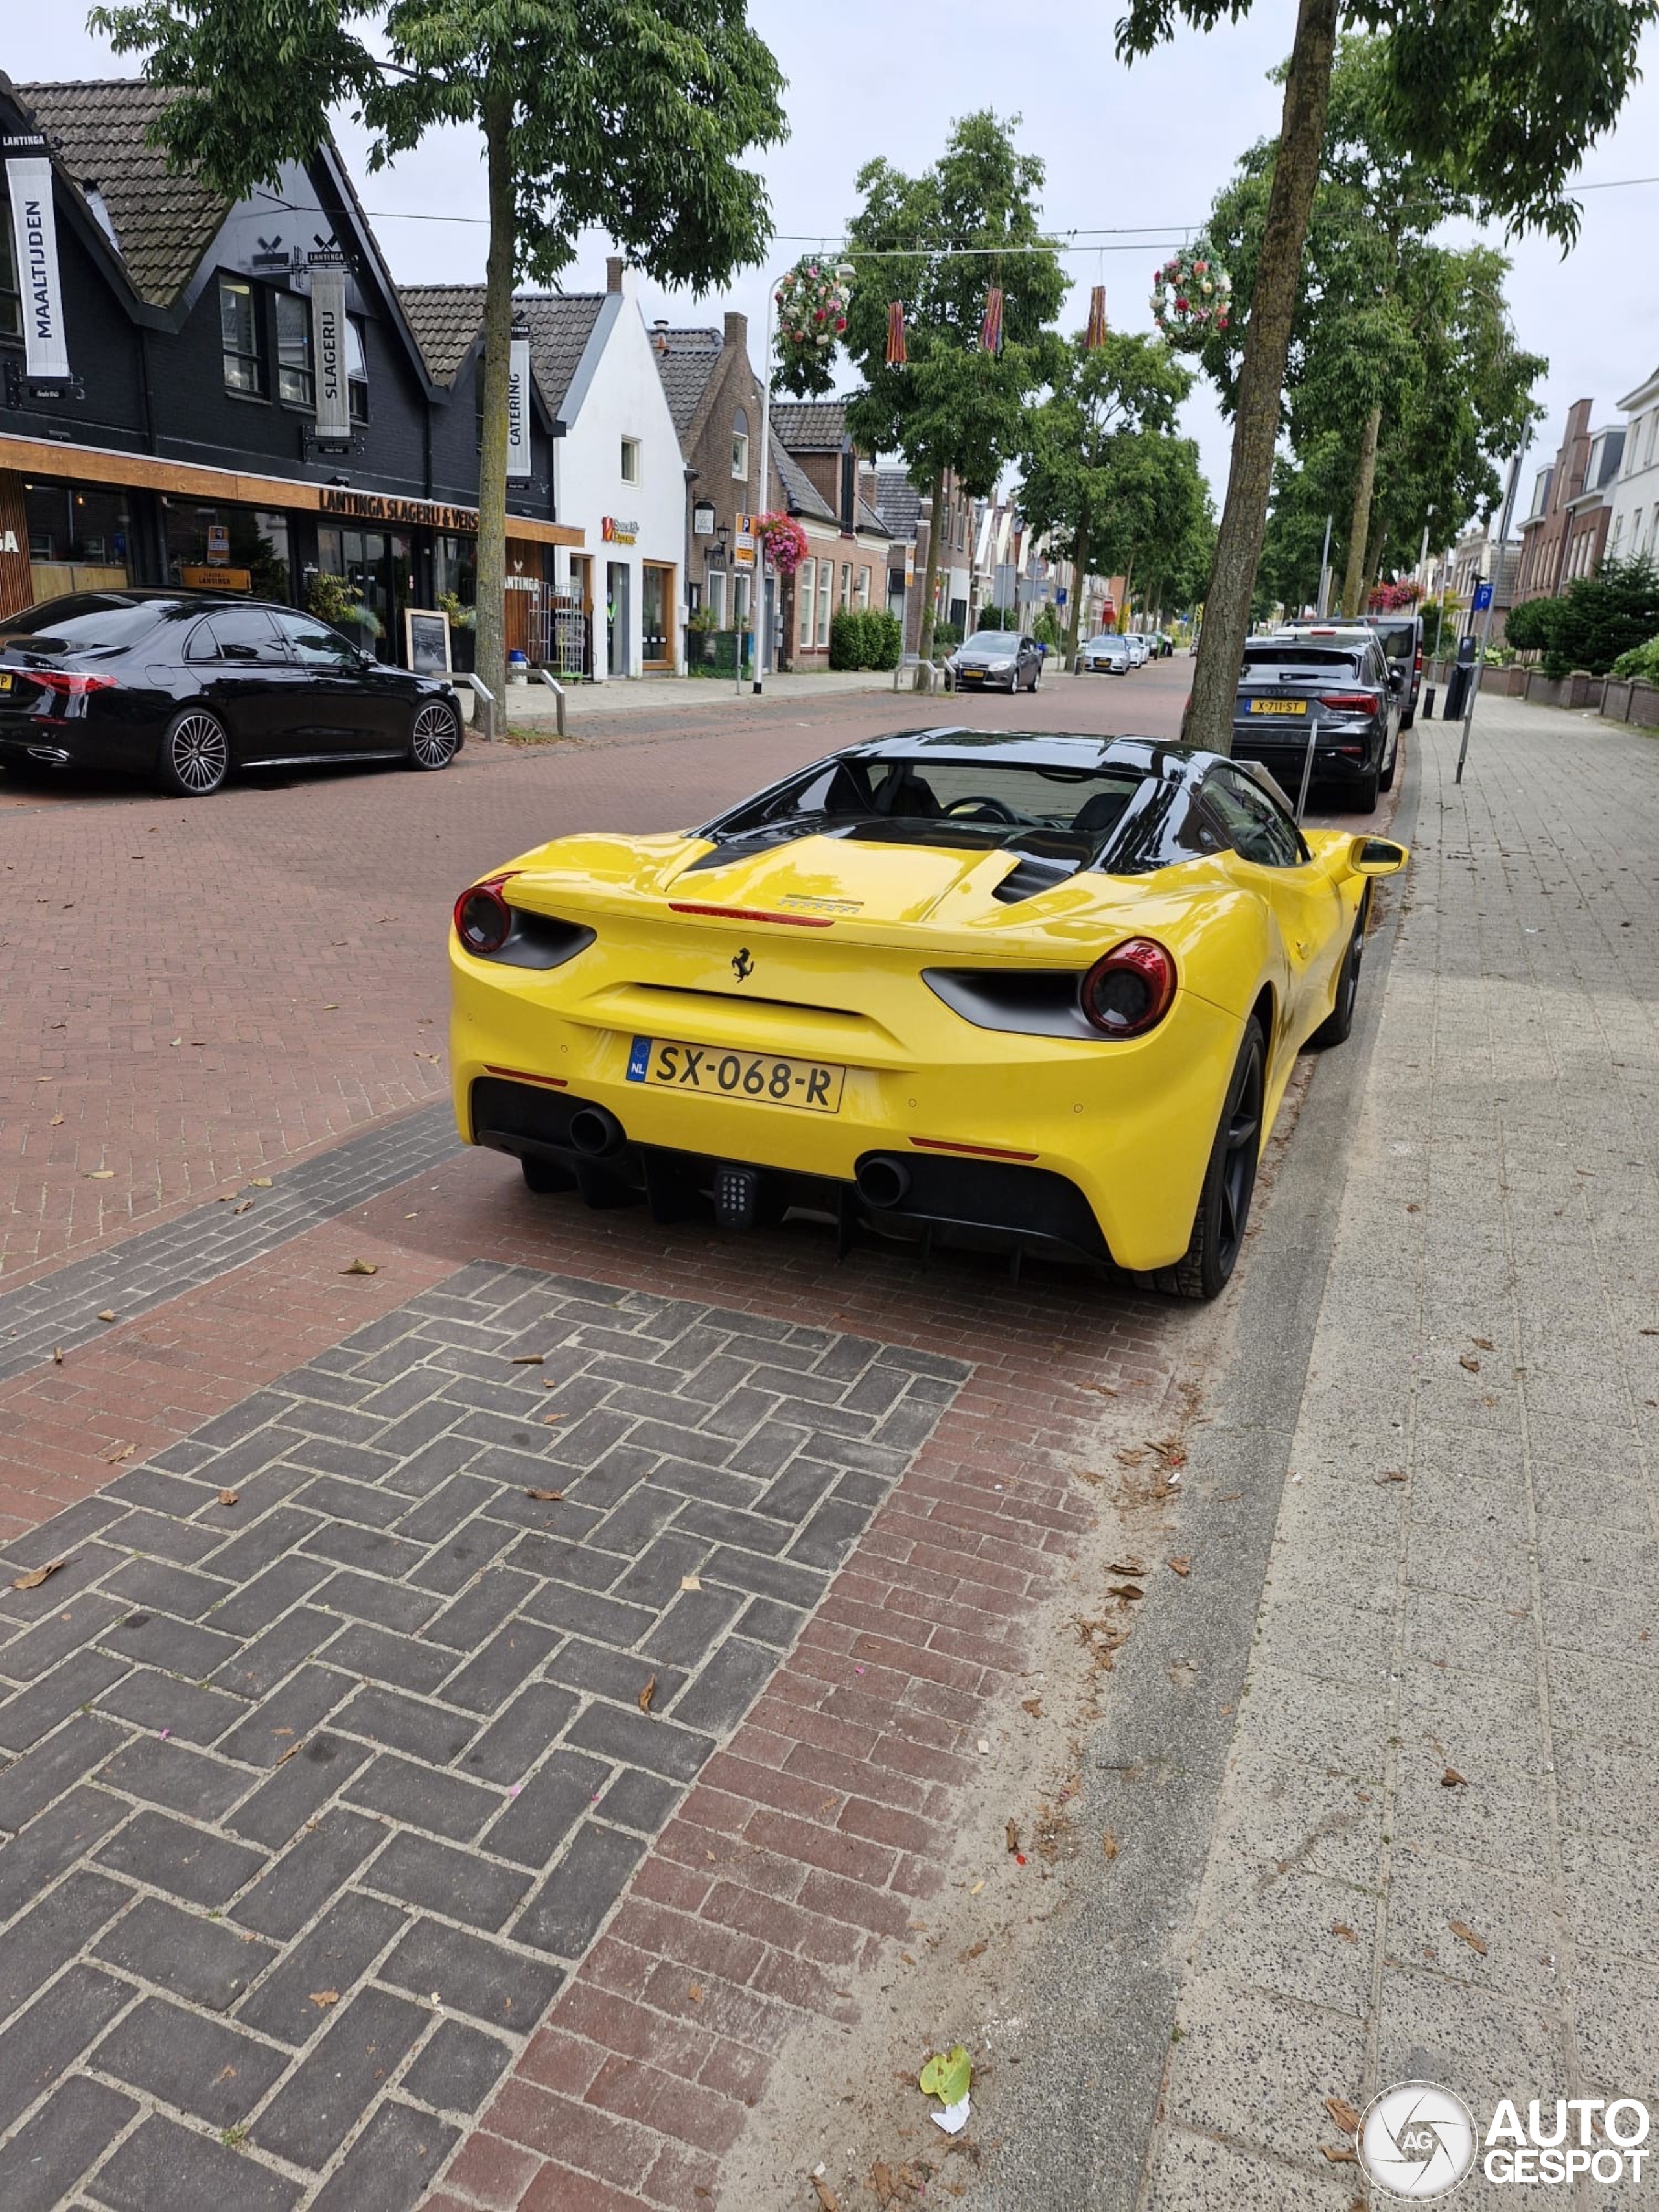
{"points": [[1131, 990], [483, 920]]}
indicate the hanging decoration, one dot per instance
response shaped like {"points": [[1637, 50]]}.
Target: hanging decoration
{"points": [[990, 331], [897, 353], [1095, 336], [782, 539], [811, 304], [1192, 296]]}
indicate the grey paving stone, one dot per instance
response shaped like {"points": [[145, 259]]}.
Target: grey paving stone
{"points": [[608, 1673], [766, 1621], [580, 1611], [75, 1681], [150, 1699], [460, 1885], [337, 1952], [257, 1667], [425, 1730], [46, 2040], [639, 1801], [333, 1498], [55, 1840], [162, 1772], [339, 2078], [83, 1619], [371, 1549], [723, 1693], [185, 1861], [54, 1764], [457, 2067], [474, 1616], [162, 2164], [200, 2065], [576, 1897], [278, 1808], [660, 1570], [208, 1962], [776, 1578], [320, 1861], [286, 1717], [408, 1790], [171, 1494], [391, 2166], [511, 1656], [178, 1647], [451, 1566], [43, 2161], [162, 1538], [487, 1981], [266, 1598], [536, 1822], [389, 1604], [691, 1625], [614, 1732], [52, 1932], [516, 1739]]}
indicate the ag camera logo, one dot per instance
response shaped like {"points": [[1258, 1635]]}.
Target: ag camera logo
{"points": [[1417, 2140]]}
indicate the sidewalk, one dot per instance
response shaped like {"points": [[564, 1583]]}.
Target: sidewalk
{"points": [[1427, 1844], [535, 703]]}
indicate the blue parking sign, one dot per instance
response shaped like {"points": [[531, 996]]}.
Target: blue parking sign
{"points": [[1482, 597]]}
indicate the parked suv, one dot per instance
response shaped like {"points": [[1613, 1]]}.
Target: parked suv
{"points": [[1334, 681], [1401, 635]]}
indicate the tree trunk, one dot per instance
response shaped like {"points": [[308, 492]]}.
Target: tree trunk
{"points": [[930, 581], [1079, 566], [497, 120], [1267, 343], [1359, 528]]}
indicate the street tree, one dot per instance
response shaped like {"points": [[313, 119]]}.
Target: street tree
{"points": [[635, 116], [1097, 452], [1505, 102], [937, 243]]}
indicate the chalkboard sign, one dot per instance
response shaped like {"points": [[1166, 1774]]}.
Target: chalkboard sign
{"points": [[426, 637]]}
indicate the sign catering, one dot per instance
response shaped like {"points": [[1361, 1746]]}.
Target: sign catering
{"points": [[615, 532], [34, 236], [518, 409]]}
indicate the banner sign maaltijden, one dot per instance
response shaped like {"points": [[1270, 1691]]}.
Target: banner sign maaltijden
{"points": [[34, 234]]}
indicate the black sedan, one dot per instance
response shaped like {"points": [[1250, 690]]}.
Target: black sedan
{"points": [[1329, 685], [182, 687], [994, 658]]}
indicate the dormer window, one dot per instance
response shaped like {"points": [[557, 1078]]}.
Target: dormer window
{"points": [[740, 448]]}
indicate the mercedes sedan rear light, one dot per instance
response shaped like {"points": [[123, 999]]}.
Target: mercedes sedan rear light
{"points": [[66, 684], [1348, 702], [1131, 990]]}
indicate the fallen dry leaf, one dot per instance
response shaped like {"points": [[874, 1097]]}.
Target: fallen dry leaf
{"points": [[1183, 1566], [324, 1998], [230, 1497], [546, 1496], [1451, 1779], [1344, 2157], [1013, 1834], [1341, 1928], [57, 1355], [56, 1122], [974, 1951], [121, 1452], [245, 1206], [106, 1315], [1467, 1359], [827, 2200], [1465, 1933], [287, 1754], [1483, 1343], [1125, 1590], [647, 1695], [1344, 2114], [977, 1889], [696, 1993], [550, 1421], [528, 1358], [1391, 1474], [1129, 1566], [690, 1582], [360, 1267], [1032, 1705], [36, 1575], [259, 1182], [1108, 1844], [99, 1175]]}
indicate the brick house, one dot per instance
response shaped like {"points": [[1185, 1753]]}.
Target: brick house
{"points": [[1635, 527], [715, 398], [1563, 536], [830, 489]]}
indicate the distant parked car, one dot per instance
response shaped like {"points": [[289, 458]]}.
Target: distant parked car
{"points": [[994, 659], [1402, 642], [1138, 653], [1108, 654], [185, 687], [1335, 680]]}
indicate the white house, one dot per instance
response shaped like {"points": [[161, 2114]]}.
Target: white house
{"points": [[1634, 527]]}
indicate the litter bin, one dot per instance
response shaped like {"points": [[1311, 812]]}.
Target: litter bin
{"points": [[1459, 683]]}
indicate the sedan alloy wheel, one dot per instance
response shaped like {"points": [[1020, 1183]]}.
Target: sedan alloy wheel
{"points": [[195, 755], [436, 740]]}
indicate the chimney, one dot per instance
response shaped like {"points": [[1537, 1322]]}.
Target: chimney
{"points": [[613, 273], [736, 328], [660, 334]]}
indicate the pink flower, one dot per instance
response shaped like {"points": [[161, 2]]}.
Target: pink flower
{"points": [[1199, 267], [1181, 305], [841, 322]]}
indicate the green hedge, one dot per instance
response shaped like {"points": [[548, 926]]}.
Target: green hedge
{"points": [[865, 637], [1597, 619]]}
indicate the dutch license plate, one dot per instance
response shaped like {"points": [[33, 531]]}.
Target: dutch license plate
{"points": [[1278, 706], [973, 675], [5, 680], [811, 1084]]}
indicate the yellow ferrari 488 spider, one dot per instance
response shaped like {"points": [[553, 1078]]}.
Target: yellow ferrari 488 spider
{"points": [[1035, 994]]}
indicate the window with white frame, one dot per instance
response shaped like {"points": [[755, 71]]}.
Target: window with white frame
{"points": [[295, 382], [846, 598], [804, 582], [861, 598], [717, 597], [740, 448], [826, 592], [1653, 439], [630, 461], [238, 337], [356, 371]]}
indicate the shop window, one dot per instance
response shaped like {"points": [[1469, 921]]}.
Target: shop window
{"points": [[826, 589], [295, 381], [79, 529], [804, 579], [357, 370], [11, 299], [740, 448], [238, 337], [630, 461]]}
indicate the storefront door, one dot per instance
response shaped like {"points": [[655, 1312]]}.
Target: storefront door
{"points": [[657, 612], [617, 577], [376, 564]]}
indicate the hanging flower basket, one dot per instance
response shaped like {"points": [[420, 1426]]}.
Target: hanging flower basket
{"points": [[782, 540], [1192, 296], [812, 303]]}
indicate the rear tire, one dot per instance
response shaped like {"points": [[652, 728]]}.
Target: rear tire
{"points": [[195, 756], [1337, 1025], [1391, 767], [436, 738], [1224, 1203], [1366, 795]]}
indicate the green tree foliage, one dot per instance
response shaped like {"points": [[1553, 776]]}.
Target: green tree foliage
{"points": [[1103, 475], [1597, 621], [938, 242], [1503, 102], [634, 116]]}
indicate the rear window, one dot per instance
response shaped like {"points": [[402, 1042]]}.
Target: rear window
{"points": [[1314, 659], [87, 618], [1398, 641]]}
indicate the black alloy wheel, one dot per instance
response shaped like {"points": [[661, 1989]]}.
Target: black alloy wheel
{"points": [[195, 755], [1224, 1203], [1337, 1025], [436, 738]]}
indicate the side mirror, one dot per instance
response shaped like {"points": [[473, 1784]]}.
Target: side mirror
{"points": [[1396, 679], [1376, 856]]}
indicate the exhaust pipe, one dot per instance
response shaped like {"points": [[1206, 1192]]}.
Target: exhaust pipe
{"points": [[596, 1133], [882, 1182]]}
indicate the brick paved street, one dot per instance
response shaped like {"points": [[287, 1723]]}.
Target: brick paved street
{"points": [[344, 1859]]}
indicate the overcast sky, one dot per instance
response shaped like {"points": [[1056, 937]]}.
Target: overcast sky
{"points": [[1141, 149]]}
